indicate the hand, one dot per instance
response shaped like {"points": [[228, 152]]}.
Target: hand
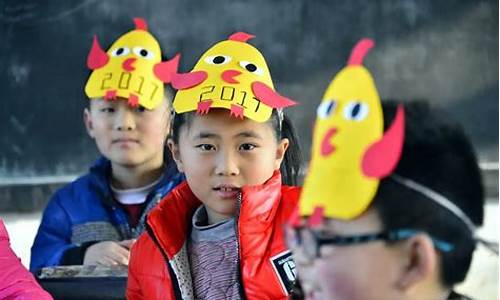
{"points": [[108, 253]]}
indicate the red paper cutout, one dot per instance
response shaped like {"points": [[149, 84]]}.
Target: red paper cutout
{"points": [[166, 70], [326, 145], [382, 157], [133, 100], [97, 57], [110, 95], [316, 219], [182, 81], [236, 111], [241, 37], [269, 97], [228, 76], [359, 51], [204, 107], [127, 65], [141, 24]]}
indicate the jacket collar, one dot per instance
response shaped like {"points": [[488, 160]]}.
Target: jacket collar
{"points": [[100, 174], [259, 203], [170, 221]]}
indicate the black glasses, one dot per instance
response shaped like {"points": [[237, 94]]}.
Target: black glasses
{"points": [[312, 240]]}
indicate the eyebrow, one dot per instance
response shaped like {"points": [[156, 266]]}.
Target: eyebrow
{"points": [[251, 134], [208, 135]]}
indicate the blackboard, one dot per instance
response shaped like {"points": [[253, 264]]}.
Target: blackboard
{"points": [[443, 51]]}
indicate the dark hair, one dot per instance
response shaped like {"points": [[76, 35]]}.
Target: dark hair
{"points": [[290, 167], [438, 155]]}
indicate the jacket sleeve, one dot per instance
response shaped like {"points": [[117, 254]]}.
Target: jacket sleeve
{"points": [[53, 237], [133, 286], [15, 281]]}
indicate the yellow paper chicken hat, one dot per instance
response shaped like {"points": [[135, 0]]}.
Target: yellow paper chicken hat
{"points": [[232, 75], [350, 151], [131, 69]]}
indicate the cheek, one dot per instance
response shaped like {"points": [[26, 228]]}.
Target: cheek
{"points": [[259, 168], [155, 131], [194, 164], [342, 278], [100, 132], [257, 172], [356, 273]]}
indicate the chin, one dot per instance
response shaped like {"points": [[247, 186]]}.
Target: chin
{"points": [[126, 161]]}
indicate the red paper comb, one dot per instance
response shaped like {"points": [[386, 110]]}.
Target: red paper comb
{"points": [[360, 50], [140, 24], [241, 37]]}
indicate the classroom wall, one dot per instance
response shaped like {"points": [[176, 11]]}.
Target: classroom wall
{"points": [[443, 51]]}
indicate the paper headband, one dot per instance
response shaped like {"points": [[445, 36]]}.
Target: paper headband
{"points": [[350, 153], [232, 75], [131, 69]]}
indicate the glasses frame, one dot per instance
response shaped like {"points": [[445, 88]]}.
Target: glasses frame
{"points": [[319, 239]]}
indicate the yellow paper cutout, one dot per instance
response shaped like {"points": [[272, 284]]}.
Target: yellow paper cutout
{"points": [[129, 71], [349, 120], [237, 55]]}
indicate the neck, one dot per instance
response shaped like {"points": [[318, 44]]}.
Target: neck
{"points": [[215, 217], [130, 177]]}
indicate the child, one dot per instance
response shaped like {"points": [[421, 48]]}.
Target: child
{"points": [[15, 281], [219, 234], [396, 215], [95, 219]]}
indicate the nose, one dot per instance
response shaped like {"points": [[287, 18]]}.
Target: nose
{"points": [[227, 163], [125, 120]]}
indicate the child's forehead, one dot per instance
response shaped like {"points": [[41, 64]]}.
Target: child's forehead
{"points": [[102, 101], [219, 121], [120, 101]]}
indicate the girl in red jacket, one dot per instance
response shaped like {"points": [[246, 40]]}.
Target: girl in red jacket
{"points": [[219, 235]]}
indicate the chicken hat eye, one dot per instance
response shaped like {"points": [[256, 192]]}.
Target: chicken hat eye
{"points": [[144, 53], [356, 110], [251, 67], [120, 51], [218, 59], [326, 109]]}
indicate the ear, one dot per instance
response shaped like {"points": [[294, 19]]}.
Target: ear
{"points": [[174, 151], [420, 262], [280, 152], [87, 119]]}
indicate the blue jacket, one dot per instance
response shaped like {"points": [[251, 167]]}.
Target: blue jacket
{"points": [[84, 212]]}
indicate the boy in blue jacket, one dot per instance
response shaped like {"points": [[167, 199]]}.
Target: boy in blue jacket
{"points": [[95, 219]]}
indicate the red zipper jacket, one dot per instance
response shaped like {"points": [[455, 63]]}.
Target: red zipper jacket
{"points": [[159, 262]]}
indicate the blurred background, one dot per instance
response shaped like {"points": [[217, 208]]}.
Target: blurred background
{"points": [[444, 51]]}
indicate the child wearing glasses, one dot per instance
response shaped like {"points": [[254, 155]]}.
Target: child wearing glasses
{"points": [[392, 199]]}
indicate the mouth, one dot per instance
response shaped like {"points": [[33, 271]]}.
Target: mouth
{"points": [[229, 76], [326, 144], [128, 64], [125, 141], [226, 191]]}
